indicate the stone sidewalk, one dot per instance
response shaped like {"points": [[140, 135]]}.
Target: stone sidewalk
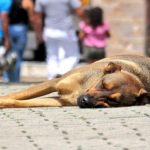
{"points": [[71, 128]]}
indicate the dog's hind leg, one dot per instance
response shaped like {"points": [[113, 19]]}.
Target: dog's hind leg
{"points": [[39, 102], [34, 91]]}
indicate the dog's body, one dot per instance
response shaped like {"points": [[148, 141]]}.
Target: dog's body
{"points": [[115, 81]]}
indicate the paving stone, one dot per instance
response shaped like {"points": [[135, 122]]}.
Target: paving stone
{"points": [[66, 128]]}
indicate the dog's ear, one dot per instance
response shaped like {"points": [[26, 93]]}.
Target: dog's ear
{"points": [[143, 97], [112, 67]]}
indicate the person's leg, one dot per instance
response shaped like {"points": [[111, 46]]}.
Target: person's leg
{"points": [[52, 57], [18, 35], [95, 54], [71, 55]]}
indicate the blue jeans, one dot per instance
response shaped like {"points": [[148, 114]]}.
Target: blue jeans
{"points": [[18, 37]]}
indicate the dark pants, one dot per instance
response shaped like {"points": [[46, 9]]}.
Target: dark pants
{"points": [[18, 36], [92, 54]]}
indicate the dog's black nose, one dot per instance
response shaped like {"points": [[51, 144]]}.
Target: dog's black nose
{"points": [[84, 101]]}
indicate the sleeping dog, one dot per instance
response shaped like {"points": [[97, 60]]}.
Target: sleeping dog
{"points": [[111, 82]]}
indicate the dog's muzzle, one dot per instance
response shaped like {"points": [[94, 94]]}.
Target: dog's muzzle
{"points": [[85, 101]]}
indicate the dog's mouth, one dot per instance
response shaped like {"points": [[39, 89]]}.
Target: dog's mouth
{"points": [[107, 102]]}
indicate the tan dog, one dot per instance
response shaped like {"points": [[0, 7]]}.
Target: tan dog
{"points": [[111, 82]]}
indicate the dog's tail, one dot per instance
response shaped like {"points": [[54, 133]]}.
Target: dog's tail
{"points": [[34, 91]]}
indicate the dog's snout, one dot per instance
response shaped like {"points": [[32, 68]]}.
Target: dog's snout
{"points": [[84, 101]]}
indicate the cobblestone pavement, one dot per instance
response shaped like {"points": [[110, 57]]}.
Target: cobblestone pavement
{"points": [[71, 128]]}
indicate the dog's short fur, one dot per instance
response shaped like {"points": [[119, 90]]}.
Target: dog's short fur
{"points": [[111, 82]]}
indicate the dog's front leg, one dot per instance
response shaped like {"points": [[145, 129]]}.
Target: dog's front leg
{"points": [[34, 91], [41, 102]]}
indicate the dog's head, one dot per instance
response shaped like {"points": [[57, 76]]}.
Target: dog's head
{"points": [[116, 88]]}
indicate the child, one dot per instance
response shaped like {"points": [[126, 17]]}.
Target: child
{"points": [[94, 32]]}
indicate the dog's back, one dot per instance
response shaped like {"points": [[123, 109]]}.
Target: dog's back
{"points": [[138, 65]]}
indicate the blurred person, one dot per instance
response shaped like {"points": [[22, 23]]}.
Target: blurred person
{"points": [[28, 5], [4, 23], [6, 61], [40, 50], [18, 28], [94, 32], [62, 50]]}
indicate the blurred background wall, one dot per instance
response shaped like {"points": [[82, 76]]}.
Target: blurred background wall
{"points": [[127, 19]]}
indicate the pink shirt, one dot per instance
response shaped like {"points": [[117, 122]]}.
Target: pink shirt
{"points": [[95, 37]]}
